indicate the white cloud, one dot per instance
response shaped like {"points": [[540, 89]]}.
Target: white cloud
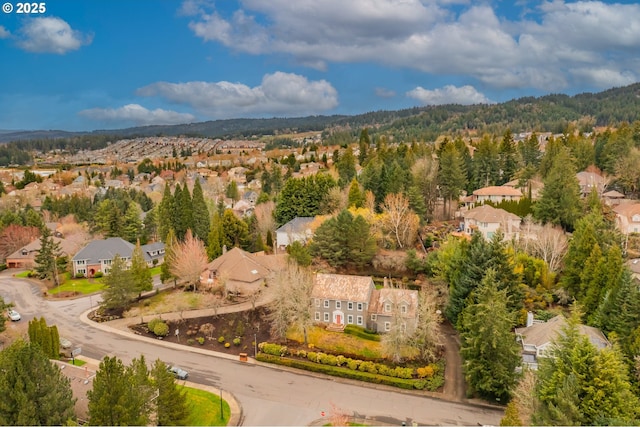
{"points": [[384, 93], [279, 93], [438, 38], [50, 35], [138, 115], [4, 33], [464, 95]]}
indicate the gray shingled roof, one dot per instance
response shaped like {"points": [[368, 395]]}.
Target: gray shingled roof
{"points": [[342, 287], [105, 249], [298, 224]]}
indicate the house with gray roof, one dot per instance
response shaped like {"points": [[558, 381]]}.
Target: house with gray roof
{"points": [[98, 255], [339, 300], [538, 338], [296, 230]]}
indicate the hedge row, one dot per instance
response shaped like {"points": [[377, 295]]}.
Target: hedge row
{"points": [[361, 333], [431, 384]]}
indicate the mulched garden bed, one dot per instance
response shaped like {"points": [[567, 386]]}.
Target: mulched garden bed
{"points": [[237, 330]]}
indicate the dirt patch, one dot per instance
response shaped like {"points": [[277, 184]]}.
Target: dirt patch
{"points": [[231, 333]]}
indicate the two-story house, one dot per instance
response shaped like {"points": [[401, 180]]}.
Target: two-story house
{"points": [[628, 217], [488, 220], [537, 338], [393, 307], [298, 229], [98, 255], [341, 299]]}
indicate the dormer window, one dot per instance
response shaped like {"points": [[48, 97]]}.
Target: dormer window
{"points": [[24, 252], [403, 309], [387, 307]]}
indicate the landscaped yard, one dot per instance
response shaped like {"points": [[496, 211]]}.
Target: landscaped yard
{"points": [[83, 286], [170, 301], [204, 408]]}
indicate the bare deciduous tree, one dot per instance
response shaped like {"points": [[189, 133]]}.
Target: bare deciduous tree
{"points": [[400, 220], [291, 305], [427, 336], [425, 174], [264, 215], [396, 338], [548, 243], [524, 396], [188, 260]]}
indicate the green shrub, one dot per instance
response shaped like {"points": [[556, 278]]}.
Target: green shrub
{"points": [[200, 340], [240, 329], [353, 364], [152, 323], [340, 360], [313, 356], [404, 372], [361, 333], [161, 329], [191, 341], [3, 267], [227, 345], [302, 353], [236, 341], [79, 276], [221, 340], [274, 349], [98, 275]]}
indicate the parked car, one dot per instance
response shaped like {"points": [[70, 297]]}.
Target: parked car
{"points": [[179, 373], [14, 315]]}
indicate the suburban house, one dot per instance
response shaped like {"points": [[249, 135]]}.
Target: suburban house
{"points": [[389, 305], [590, 181], [628, 217], [531, 187], [241, 272], [98, 255], [488, 220], [296, 230], [341, 300], [497, 194], [537, 338], [613, 197], [25, 256]]}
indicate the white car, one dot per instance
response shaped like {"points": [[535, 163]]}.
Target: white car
{"points": [[14, 315], [179, 373]]}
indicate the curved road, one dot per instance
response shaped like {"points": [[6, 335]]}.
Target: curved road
{"points": [[269, 396]]}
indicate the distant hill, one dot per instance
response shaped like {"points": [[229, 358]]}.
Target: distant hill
{"points": [[547, 113]]}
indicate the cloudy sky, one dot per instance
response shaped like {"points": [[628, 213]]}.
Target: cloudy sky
{"points": [[103, 64]]}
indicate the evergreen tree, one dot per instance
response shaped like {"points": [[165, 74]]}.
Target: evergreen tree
{"points": [[530, 151], [232, 191], [269, 241], [235, 231], [169, 247], [356, 198], [165, 214], [216, 236], [509, 163], [346, 167], [111, 400], [140, 273], [119, 291], [582, 385], [451, 175], [34, 390], [363, 145], [132, 224], [486, 164], [201, 220], [489, 349], [171, 403], [47, 257], [560, 200], [184, 212]]}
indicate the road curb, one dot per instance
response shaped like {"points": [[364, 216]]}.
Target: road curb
{"points": [[236, 409]]}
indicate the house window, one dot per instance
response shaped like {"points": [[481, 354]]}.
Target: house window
{"points": [[403, 309], [106, 262], [80, 262], [387, 326], [318, 303], [82, 271], [326, 303], [360, 306], [338, 304], [326, 317], [106, 271], [349, 305], [387, 307], [317, 316], [374, 317], [350, 319], [359, 320]]}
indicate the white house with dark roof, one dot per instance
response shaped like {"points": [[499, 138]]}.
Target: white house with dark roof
{"points": [[537, 338], [298, 229], [488, 220], [98, 255]]}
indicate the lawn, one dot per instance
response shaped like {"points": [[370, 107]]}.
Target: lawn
{"points": [[204, 408], [24, 274], [84, 286], [338, 342]]}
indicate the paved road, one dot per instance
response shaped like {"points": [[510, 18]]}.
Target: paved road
{"points": [[268, 396]]}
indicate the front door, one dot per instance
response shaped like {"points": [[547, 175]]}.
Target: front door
{"points": [[338, 319]]}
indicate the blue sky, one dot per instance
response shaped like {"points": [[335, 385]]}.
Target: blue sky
{"points": [[102, 64]]}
